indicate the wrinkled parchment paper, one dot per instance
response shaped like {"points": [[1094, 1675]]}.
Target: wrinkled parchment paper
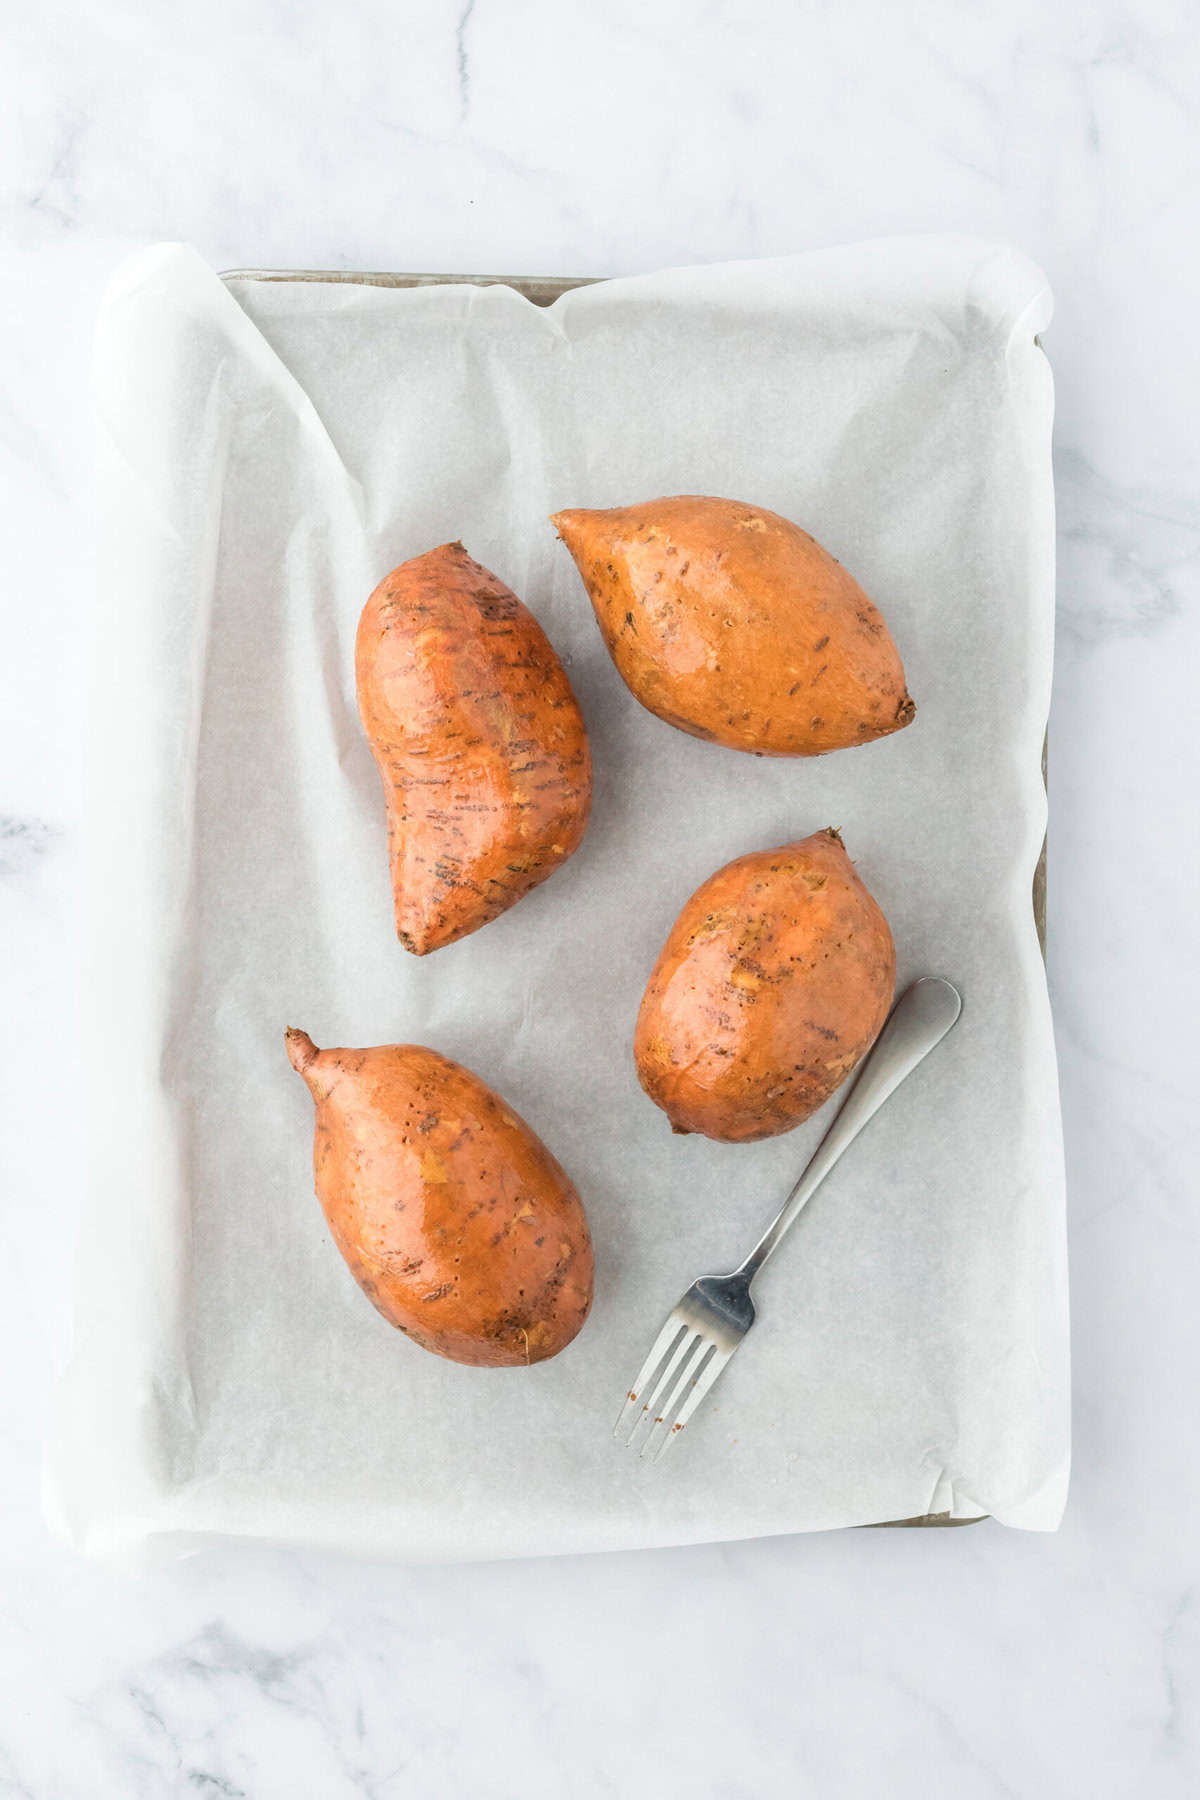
{"points": [[267, 452]]}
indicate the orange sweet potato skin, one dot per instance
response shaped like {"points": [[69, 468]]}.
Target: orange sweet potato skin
{"points": [[774, 983], [453, 1217], [735, 625], [479, 742]]}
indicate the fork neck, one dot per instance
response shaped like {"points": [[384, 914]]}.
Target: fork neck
{"points": [[758, 1256]]}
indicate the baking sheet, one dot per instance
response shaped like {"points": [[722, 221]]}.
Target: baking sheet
{"points": [[268, 451]]}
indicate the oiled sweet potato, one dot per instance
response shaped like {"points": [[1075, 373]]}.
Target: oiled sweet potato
{"points": [[773, 984], [733, 624], [479, 741], [453, 1217]]}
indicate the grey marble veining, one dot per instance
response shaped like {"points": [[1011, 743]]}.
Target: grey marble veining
{"points": [[598, 140]]}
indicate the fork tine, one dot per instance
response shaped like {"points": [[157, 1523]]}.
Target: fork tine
{"points": [[666, 1340], [703, 1383], [692, 1371], [682, 1358]]}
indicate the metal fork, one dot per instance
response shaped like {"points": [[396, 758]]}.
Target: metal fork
{"points": [[712, 1318]]}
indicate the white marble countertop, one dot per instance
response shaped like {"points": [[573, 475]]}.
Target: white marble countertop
{"points": [[596, 140]]}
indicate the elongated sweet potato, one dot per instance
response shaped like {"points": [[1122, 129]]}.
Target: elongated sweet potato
{"points": [[774, 983], [453, 1217], [479, 742], [733, 624]]}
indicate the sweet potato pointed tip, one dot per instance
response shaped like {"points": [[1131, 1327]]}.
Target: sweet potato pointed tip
{"points": [[572, 520], [302, 1052], [417, 943]]}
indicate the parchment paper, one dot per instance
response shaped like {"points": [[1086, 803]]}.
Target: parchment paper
{"points": [[267, 453]]}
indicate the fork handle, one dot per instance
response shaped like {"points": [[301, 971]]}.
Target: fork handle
{"points": [[919, 1020]]}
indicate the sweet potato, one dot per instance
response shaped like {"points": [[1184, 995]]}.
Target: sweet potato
{"points": [[479, 741], [453, 1217], [733, 624], [773, 984]]}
